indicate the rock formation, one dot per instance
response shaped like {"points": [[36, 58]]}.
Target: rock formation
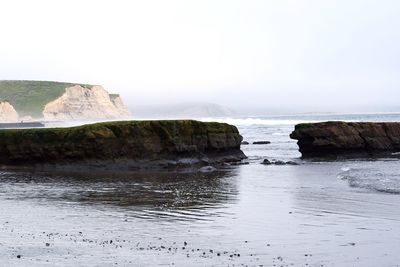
{"points": [[335, 139], [7, 112], [123, 145], [82, 103]]}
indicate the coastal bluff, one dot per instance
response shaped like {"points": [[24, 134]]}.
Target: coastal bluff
{"points": [[58, 101], [7, 112], [122, 146], [347, 139], [81, 103]]}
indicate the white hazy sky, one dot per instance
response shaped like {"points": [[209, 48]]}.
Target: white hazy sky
{"points": [[310, 54]]}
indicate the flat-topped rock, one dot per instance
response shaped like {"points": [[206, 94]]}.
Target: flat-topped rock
{"points": [[348, 139], [125, 145]]}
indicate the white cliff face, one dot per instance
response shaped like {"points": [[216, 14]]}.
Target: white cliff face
{"points": [[119, 104], [80, 103], [8, 113]]}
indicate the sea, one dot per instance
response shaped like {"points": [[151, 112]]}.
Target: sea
{"points": [[316, 213]]}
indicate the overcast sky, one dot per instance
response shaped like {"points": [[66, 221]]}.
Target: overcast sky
{"points": [[312, 55]]}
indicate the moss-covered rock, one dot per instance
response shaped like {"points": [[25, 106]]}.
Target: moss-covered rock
{"points": [[302, 126], [129, 141]]}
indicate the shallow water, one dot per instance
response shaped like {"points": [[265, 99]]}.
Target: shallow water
{"points": [[342, 213]]}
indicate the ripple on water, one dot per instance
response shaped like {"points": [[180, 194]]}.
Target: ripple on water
{"points": [[178, 196]]}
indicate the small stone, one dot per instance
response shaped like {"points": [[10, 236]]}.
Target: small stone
{"points": [[261, 143], [266, 162], [245, 143], [19, 256]]}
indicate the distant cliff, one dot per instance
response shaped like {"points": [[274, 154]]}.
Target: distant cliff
{"points": [[347, 139], [61, 101], [122, 145], [81, 103], [7, 112]]}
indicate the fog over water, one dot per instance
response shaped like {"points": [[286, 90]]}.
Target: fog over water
{"points": [[270, 56]]}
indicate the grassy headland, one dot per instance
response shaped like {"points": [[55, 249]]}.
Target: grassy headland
{"points": [[30, 97]]}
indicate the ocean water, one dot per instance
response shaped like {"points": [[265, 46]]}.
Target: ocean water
{"points": [[318, 213]]}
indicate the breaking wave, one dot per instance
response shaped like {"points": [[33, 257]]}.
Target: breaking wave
{"points": [[257, 121], [381, 176]]}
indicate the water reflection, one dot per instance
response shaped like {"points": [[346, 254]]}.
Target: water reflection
{"points": [[145, 195]]}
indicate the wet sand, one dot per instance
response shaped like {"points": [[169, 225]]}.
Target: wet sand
{"points": [[247, 215]]}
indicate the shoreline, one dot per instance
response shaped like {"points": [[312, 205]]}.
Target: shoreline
{"points": [[184, 164], [253, 214]]}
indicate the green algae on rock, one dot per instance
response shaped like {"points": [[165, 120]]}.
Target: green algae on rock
{"points": [[122, 145]]}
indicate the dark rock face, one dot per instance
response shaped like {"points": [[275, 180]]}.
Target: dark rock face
{"points": [[128, 144], [261, 143], [335, 139]]}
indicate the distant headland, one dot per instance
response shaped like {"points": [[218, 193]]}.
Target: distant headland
{"points": [[58, 101]]}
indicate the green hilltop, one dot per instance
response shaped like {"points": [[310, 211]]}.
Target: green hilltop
{"points": [[30, 97]]}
